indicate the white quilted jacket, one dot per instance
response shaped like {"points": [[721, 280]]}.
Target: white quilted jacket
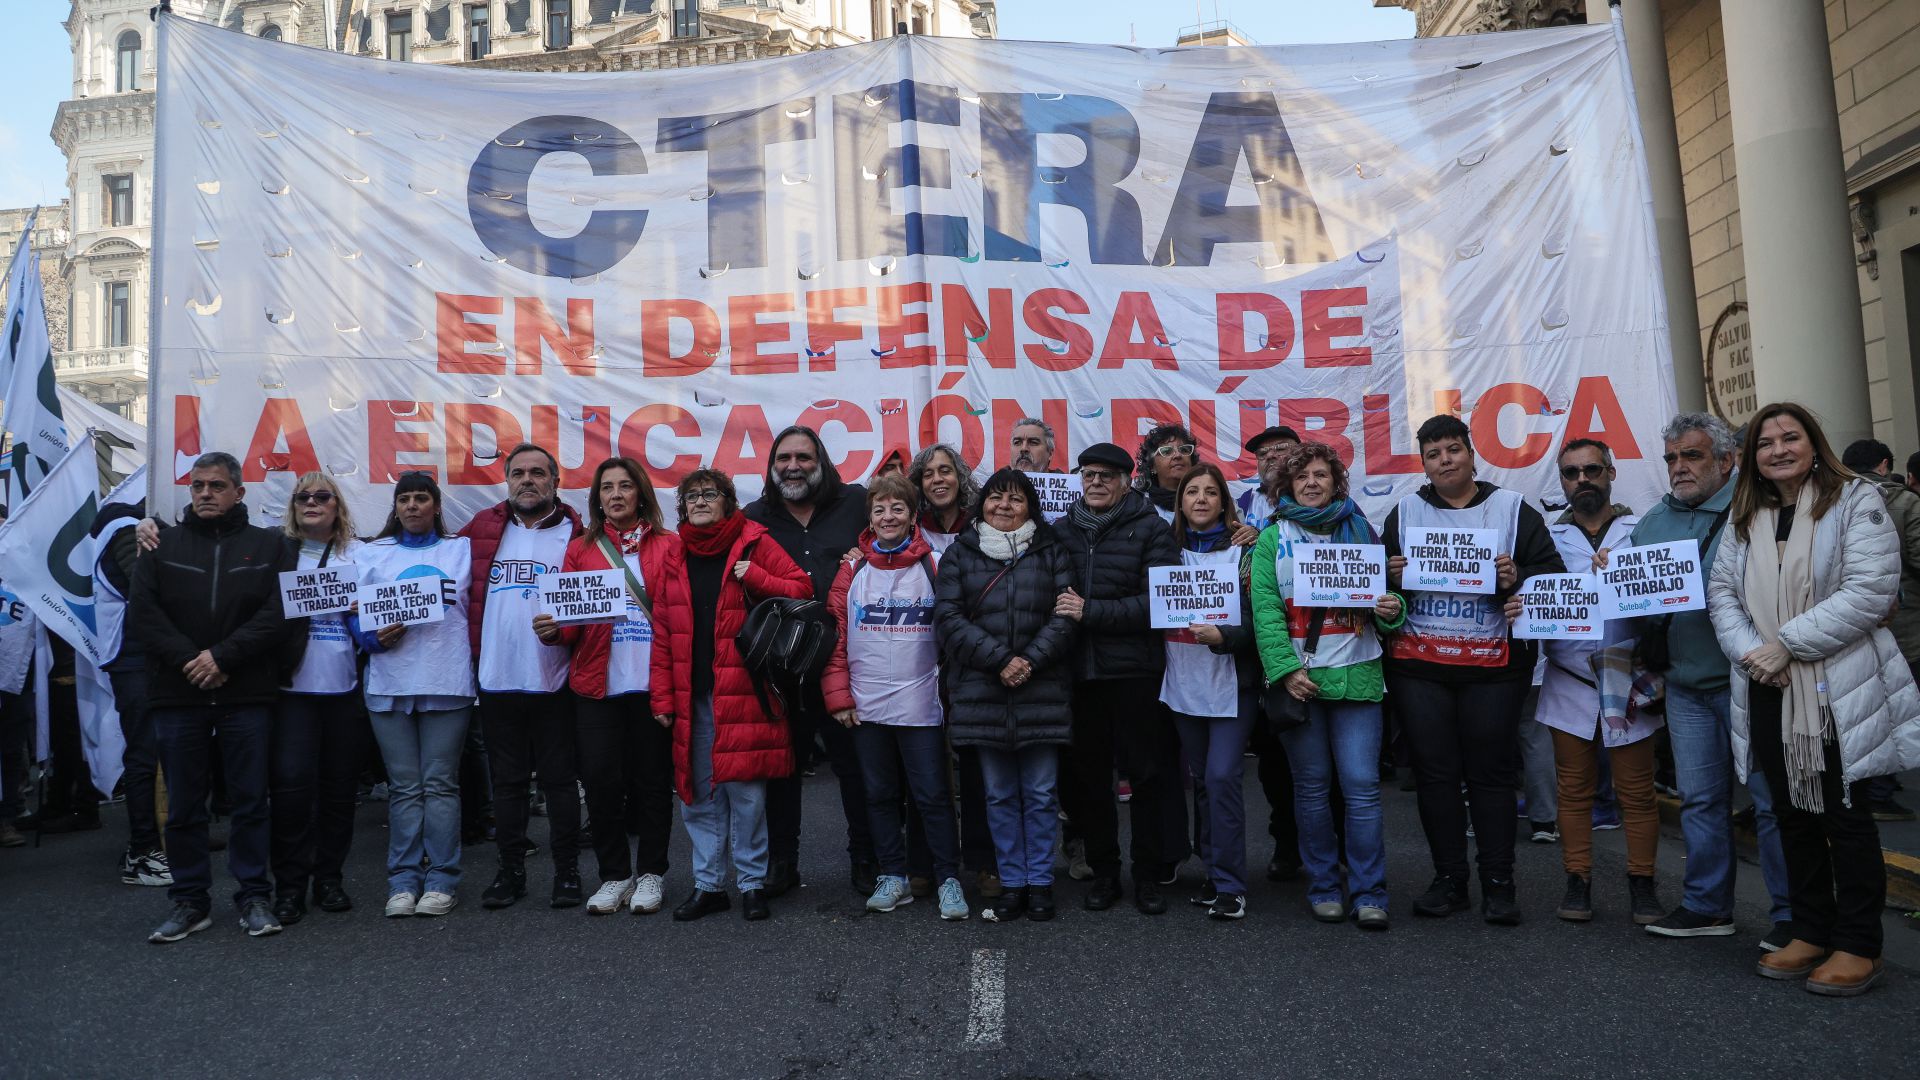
{"points": [[1856, 581]]}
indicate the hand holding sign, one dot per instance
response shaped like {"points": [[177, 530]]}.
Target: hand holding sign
{"points": [[585, 596], [1558, 607], [1453, 560], [402, 603], [325, 590], [1187, 595], [1657, 579], [1339, 575]]}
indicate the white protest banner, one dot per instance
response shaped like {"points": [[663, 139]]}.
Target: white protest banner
{"points": [[1339, 575], [1057, 492], [324, 590], [676, 264], [1653, 580], [584, 596], [1450, 560], [1189, 595], [407, 601], [1560, 607]]}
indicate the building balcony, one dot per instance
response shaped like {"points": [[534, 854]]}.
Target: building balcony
{"points": [[125, 367]]}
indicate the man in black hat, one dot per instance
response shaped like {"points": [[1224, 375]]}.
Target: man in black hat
{"points": [[1115, 536], [1270, 450]]}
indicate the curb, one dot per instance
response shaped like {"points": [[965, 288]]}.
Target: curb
{"points": [[1903, 870]]}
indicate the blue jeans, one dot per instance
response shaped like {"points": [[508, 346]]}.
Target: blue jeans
{"points": [[1343, 738], [1022, 805], [1216, 748], [733, 813], [185, 738], [889, 752], [422, 754], [1699, 728]]}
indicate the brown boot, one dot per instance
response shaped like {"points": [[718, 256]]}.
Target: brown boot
{"points": [[1844, 975], [1793, 962]]}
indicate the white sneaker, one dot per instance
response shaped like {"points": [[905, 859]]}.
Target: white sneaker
{"points": [[436, 903], [401, 904], [648, 894], [610, 897]]}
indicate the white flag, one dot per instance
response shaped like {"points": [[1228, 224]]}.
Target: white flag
{"points": [[26, 353]]}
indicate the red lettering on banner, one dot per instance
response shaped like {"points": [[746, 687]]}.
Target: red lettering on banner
{"points": [[533, 326], [848, 416], [897, 324], [279, 417], [186, 436], [387, 440], [1128, 412], [657, 358], [1322, 326], [633, 442], [1376, 427], [1242, 465], [596, 440], [1007, 414], [746, 333], [941, 406], [826, 330], [1075, 340], [462, 468], [962, 321], [1486, 426], [1594, 398], [1331, 429], [1230, 312], [455, 332], [735, 453], [1135, 311]]}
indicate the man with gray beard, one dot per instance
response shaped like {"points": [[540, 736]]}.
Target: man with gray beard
{"points": [[817, 518], [1032, 445]]}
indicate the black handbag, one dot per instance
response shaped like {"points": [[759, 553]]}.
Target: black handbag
{"points": [[1284, 711]]}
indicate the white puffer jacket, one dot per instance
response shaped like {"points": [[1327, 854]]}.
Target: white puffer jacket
{"points": [[1856, 581]]}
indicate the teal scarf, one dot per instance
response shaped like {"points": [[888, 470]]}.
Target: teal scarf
{"points": [[1341, 519]]}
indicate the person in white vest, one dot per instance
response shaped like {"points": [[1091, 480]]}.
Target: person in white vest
{"points": [[320, 732], [946, 490], [883, 682], [1592, 528], [1457, 678], [420, 690], [144, 862]]}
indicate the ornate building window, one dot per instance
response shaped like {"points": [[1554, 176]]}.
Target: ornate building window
{"points": [[116, 199], [559, 24], [127, 62], [479, 32], [119, 328]]}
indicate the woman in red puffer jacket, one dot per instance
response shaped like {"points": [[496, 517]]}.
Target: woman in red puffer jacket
{"points": [[725, 745]]}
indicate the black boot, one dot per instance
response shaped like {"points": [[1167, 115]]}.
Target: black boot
{"points": [[1497, 903], [1103, 894], [753, 905], [700, 904], [783, 876], [290, 908], [509, 885], [1445, 896], [1040, 902], [566, 888], [1578, 903], [1645, 899], [1147, 898], [329, 896], [1009, 905]]}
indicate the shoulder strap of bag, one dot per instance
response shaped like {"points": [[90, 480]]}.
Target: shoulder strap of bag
{"points": [[325, 554], [973, 609], [1317, 621], [633, 583]]}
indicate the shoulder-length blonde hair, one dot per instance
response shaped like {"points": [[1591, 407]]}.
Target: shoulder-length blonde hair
{"points": [[1751, 491], [342, 523]]}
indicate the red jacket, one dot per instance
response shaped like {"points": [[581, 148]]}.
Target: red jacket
{"points": [[747, 743], [592, 642], [484, 533], [835, 684]]}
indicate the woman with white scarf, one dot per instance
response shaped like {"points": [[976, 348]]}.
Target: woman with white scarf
{"points": [[1800, 592]]}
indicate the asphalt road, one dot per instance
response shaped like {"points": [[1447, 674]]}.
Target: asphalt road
{"points": [[823, 989]]}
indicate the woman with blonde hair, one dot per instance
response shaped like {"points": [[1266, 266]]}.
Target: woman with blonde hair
{"points": [[320, 731]]}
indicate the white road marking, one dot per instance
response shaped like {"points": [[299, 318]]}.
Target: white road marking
{"points": [[987, 1000]]}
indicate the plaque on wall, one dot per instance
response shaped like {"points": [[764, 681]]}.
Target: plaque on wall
{"points": [[1730, 387]]}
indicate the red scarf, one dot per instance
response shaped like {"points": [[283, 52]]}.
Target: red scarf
{"points": [[627, 542], [709, 541]]}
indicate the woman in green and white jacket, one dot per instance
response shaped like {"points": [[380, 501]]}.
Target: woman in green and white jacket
{"points": [[1341, 682]]}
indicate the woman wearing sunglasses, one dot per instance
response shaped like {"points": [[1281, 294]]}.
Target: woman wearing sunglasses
{"points": [[320, 732]]}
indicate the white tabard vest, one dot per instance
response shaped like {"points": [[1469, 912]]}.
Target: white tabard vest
{"points": [[432, 658], [1347, 635], [1463, 629], [1569, 694], [630, 654], [1199, 681], [110, 608], [892, 660], [331, 664]]}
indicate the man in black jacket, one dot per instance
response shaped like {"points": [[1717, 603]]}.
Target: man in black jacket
{"points": [[1114, 536], [206, 610], [817, 518]]}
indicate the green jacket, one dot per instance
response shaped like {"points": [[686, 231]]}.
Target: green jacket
{"points": [[1904, 506], [1698, 664], [1354, 682]]}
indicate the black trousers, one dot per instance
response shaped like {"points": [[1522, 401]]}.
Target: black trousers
{"points": [[318, 745], [528, 734], [1125, 716], [783, 794], [16, 727], [1836, 876], [140, 763], [69, 781], [1457, 733], [976, 840], [626, 763]]}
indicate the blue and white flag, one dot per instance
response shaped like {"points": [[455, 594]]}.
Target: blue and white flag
{"points": [[26, 354]]}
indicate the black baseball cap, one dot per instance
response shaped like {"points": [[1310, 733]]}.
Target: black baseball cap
{"points": [[1281, 431], [1107, 454]]}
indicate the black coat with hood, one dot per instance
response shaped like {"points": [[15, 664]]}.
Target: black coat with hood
{"points": [[985, 613], [1110, 574], [839, 516]]}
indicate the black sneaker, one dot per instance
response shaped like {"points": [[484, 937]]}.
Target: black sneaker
{"points": [[1498, 905], [1206, 897], [1040, 906], [1777, 938], [509, 885], [1544, 832], [1444, 897], [566, 888], [1010, 904], [782, 877], [257, 919], [186, 919], [1147, 898], [753, 905], [1683, 922], [1645, 899], [1889, 809], [329, 896], [290, 908], [1103, 894], [703, 903], [1228, 906], [1577, 905]]}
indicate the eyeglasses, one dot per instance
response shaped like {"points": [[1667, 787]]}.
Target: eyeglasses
{"points": [[1097, 476], [1183, 449], [319, 497], [1575, 472], [704, 495]]}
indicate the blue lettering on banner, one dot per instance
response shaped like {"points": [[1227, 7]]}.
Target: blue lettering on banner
{"points": [[508, 575], [1451, 606], [497, 196], [901, 611]]}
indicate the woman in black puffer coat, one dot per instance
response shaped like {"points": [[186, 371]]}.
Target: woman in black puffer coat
{"points": [[1007, 657]]}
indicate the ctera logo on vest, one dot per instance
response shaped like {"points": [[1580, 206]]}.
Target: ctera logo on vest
{"points": [[898, 611]]}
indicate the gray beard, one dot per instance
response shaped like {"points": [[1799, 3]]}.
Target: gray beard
{"points": [[800, 490], [1025, 462]]}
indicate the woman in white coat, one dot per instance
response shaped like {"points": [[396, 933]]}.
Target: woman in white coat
{"points": [[1799, 595]]}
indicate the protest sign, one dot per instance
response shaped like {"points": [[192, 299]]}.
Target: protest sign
{"points": [[1339, 575], [407, 601], [1450, 560], [324, 590], [1189, 595], [1057, 492], [1658, 579], [584, 596], [1560, 607]]}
